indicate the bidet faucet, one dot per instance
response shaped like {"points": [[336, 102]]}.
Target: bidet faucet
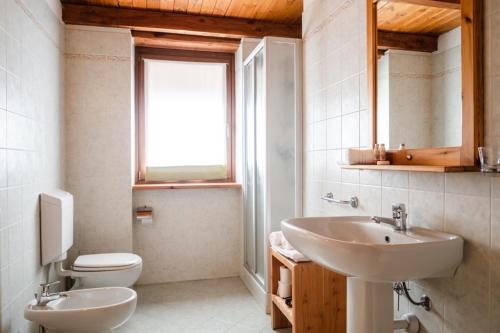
{"points": [[398, 220], [43, 296]]}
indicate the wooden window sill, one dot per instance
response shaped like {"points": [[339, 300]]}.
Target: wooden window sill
{"points": [[176, 186], [419, 168]]}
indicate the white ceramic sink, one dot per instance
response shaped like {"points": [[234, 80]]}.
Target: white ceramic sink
{"points": [[358, 247], [95, 310]]}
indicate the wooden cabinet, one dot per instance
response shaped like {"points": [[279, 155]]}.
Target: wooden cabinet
{"points": [[318, 297]]}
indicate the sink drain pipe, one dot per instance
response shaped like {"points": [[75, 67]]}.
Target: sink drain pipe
{"points": [[408, 322]]}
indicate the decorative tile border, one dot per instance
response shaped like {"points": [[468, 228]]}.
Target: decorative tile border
{"points": [[346, 5], [97, 57], [424, 76]]}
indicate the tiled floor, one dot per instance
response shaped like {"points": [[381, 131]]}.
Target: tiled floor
{"points": [[209, 306]]}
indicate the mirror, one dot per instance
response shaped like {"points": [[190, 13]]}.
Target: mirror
{"points": [[419, 76]]}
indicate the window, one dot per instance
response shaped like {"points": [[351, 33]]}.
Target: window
{"points": [[184, 116]]}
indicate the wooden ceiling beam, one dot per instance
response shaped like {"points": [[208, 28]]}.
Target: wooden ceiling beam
{"points": [[390, 40], [185, 42], [450, 4], [155, 20]]}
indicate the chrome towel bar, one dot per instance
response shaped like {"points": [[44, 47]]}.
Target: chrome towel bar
{"points": [[353, 202]]}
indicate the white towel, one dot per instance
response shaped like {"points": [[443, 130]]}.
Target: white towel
{"points": [[358, 156], [280, 244]]}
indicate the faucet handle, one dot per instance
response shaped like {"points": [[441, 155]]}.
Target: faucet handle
{"points": [[399, 207], [398, 210], [45, 286]]}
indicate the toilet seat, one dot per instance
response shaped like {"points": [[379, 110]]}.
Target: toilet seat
{"points": [[105, 270], [106, 262]]}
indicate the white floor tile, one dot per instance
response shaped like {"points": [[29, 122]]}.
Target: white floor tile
{"points": [[208, 306]]}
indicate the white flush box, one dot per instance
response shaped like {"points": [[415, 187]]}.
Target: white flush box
{"points": [[56, 225]]}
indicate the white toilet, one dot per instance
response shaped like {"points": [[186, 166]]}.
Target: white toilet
{"points": [[89, 309], [92, 270], [104, 270]]}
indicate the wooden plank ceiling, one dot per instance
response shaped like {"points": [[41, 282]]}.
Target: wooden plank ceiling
{"points": [[280, 11], [418, 19], [415, 25]]}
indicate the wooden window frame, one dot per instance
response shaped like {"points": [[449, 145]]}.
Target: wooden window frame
{"points": [[143, 53], [450, 158]]}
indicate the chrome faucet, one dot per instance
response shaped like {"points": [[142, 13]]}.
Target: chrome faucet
{"points": [[398, 220], [43, 296]]}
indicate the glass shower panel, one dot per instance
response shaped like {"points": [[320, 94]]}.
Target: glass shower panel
{"points": [[260, 168], [281, 141], [249, 87]]}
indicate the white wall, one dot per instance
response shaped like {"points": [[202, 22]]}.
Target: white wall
{"points": [[196, 233], [419, 96], [466, 204], [447, 90], [98, 140], [408, 96], [31, 145]]}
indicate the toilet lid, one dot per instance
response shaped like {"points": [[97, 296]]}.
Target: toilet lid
{"points": [[106, 261]]}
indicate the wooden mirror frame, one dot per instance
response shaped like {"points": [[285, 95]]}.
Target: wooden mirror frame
{"points": [[472, 90]]}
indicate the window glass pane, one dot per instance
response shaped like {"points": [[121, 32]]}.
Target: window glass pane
{"points": [[185, 104]]}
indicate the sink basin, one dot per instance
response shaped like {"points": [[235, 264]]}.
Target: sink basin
{"points": [[358, 247], [95, 310]]}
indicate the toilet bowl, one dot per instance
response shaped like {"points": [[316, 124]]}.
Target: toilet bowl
{"points": [[104, 270], [98, 310], [90, 271]]}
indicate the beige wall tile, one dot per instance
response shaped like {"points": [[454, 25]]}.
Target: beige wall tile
{"points": [[199, 233], [82, 40], [427, 209], [426, 181], [467, 302], [350, 138], [392, 195], [430, 321], [334, 34], [334, 133], [370, 200], [98, 139], [468, 183], [31, 138], [350, 176], [370, 177], [395, 179], [469, 217]]}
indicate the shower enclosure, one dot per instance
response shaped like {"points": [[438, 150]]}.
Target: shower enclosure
{"points": [[272, 87]]}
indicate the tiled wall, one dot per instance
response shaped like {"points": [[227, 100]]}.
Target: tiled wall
{"points": [[464, 203], [31, 145], [195, 234], [98, 137], [446, 90], [405, 87]]}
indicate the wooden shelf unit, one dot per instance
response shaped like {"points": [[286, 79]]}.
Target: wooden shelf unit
{"points": [[318, 297]]}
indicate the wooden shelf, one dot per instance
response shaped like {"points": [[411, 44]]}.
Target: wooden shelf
{"points": [[318, 297], [287, 311], [290, 264], [419, 168]]}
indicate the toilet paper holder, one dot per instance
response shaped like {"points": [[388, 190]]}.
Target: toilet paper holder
{"points": [[144, 215]]}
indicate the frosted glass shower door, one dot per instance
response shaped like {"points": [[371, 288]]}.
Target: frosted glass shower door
{"points": [[249, 89], [260, 170], [255, 230]]}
